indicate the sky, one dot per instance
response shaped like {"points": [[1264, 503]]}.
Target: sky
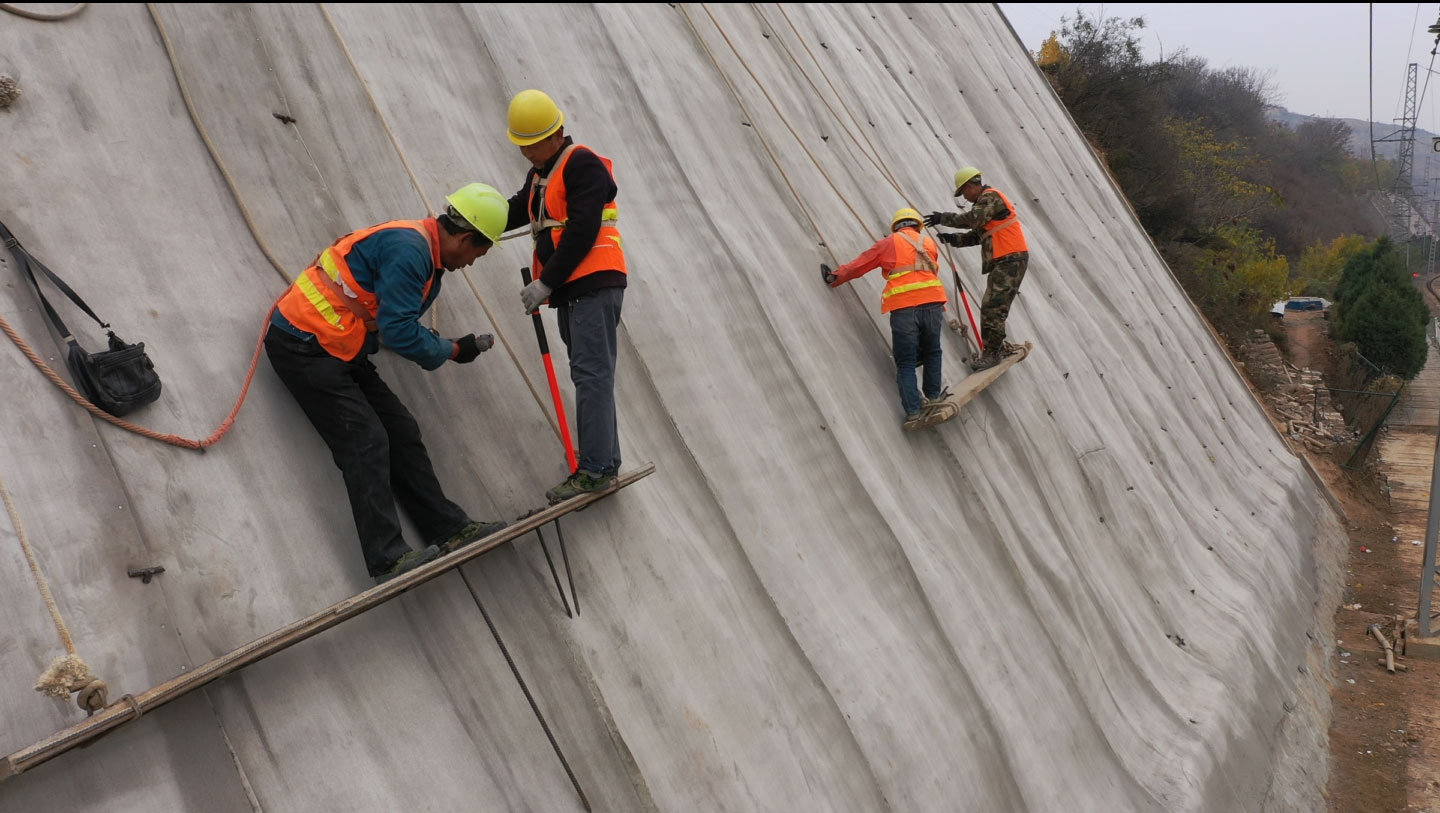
{"points": [[1319, 52]]}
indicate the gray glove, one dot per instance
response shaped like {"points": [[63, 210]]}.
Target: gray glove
{"points": [[534, 294], [826, 274]]}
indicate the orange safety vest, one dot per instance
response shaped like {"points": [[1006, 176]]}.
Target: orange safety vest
{"points": [[327, 301], [914, 280], [606, 254], [1006, 236]]}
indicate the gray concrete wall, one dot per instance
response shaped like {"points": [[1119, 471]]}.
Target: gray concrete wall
{"points": [[805, 608]]}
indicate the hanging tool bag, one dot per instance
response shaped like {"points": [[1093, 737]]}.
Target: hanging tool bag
{"points": [[118, 380]]}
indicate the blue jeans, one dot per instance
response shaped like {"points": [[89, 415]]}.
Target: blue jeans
{"points": [[915, 335], [587, 326]]}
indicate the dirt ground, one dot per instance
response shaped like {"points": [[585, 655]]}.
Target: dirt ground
{"points": [[1385, 729]]}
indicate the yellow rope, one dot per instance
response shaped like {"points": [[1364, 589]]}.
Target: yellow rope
{"points": [[210, 145], [415, 181], [67, 673], [783, 119]]}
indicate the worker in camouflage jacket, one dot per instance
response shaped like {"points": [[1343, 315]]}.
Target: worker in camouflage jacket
{"points": [[995, 227]]}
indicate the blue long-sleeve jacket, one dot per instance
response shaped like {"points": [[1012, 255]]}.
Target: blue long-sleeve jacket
{"points": [[395, 264]]}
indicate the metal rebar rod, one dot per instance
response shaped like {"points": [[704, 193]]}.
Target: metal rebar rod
{"points": [[515, 670], [556, 576], [569, 575]]}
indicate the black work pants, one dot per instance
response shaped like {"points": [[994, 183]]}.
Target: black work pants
{"points": [[375, 442]]}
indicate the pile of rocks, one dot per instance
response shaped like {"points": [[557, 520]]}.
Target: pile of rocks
{"points": [[1312, 421], [1266, 368]]}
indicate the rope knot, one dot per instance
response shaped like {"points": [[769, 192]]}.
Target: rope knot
{"points": [[69, 674]]}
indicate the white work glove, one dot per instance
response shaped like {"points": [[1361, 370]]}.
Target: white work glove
{"points": [[533, 294]]}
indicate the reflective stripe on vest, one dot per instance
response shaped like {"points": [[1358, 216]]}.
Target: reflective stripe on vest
{"points": [[913, 281], [1005, 235], [606, 254], [327, 301]]}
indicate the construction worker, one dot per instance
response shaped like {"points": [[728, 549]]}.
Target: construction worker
{"points": [[568, 200], [995, 227], [915, 299], [373, 285]]}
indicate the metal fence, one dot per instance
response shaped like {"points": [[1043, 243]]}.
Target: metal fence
{"points": [[1365, 396]]}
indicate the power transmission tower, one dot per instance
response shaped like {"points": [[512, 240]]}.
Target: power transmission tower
{"points": [[1402, 191]]}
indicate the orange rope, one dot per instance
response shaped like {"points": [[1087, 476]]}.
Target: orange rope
{"points": [[173, 440]]}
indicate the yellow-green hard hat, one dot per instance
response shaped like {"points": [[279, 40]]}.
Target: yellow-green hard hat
{"points": [[965, 175], [534, 116], [483, 207], [901, 215]]}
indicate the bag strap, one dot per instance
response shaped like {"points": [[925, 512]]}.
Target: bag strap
{"points": [[28, 262]]}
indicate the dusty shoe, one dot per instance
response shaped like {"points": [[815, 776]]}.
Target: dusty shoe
{"points": [[581, 482], [986, 360], [913, 421], [931, 403], [473, 532], [409, 562]]}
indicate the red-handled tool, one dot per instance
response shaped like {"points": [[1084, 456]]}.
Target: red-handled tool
{"points": [[554, 385]]}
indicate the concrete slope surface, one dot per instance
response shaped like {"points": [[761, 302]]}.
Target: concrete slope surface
{"points": [[1096, 589]]}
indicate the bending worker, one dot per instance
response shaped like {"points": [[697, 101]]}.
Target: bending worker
{"points": [[373, 285], [568, 200], [915, 299], [995, 227]]}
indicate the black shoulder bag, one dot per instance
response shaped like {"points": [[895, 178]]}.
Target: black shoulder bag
{"points": [[118, 380]]}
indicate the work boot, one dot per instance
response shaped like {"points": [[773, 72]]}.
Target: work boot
{"points": [[913, 421], [581, 482], [409, 562], [472, 532], [930, 403], [986, 360]]}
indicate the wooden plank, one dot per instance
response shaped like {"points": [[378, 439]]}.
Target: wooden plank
{"points": [[131, 707], [975, 383]]}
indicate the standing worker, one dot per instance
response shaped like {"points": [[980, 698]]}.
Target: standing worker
{"points": [[373, 285], [568, 200], [915, 299], [995, 227]]}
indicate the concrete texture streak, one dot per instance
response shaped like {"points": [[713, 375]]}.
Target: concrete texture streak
{"points": [[1097, 589]]}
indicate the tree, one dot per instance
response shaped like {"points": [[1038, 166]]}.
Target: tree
{"points": [[1238, 278], [1212, 176], [1382, 323], [1378, 309], [1320, 265]]}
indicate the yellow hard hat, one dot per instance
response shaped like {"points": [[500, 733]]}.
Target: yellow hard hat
{"points": [[902, 215], [965, 175], [534, 116], [483, 207]]}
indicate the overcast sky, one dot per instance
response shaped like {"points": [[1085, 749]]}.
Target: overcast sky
{"points": [[1319, 52]]}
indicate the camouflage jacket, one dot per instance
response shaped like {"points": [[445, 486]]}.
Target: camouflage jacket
{"points": [[989, 206]]}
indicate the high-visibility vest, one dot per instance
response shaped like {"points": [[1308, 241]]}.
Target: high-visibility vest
{"points": [[606, 254], [914, 280], [327, 301], [1006, 236]]}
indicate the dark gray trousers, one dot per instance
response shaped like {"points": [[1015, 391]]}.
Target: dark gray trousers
{"points": [[587, 326]]}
